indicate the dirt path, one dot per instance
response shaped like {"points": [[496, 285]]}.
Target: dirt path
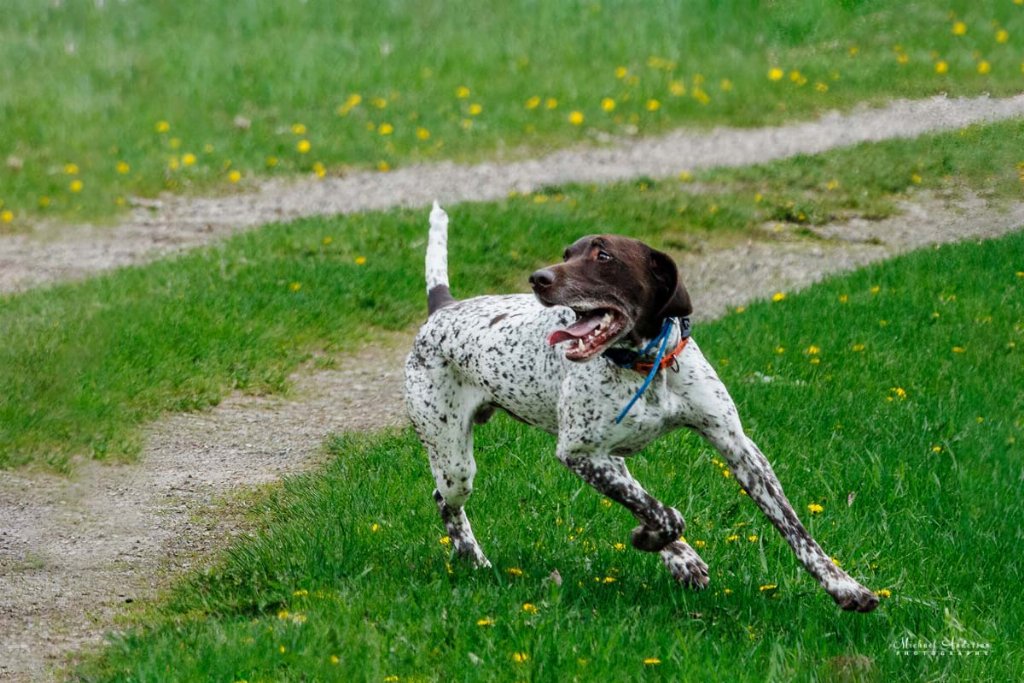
{"points": [[74, 551], [176, 223]]}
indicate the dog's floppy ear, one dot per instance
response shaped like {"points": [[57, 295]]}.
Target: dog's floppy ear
{"points": [[671, 298]]}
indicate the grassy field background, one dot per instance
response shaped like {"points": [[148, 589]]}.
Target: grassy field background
{"points": [[84, 365], [892, 404], [100, 101]]}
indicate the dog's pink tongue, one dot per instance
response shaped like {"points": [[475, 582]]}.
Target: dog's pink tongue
{"points": [[576, 331]]}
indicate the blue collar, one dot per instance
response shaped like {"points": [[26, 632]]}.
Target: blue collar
{"points": [[628, 358]]}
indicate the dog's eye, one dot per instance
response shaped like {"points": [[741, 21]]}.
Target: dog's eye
{"points": [[603, 255], [565, 255]]}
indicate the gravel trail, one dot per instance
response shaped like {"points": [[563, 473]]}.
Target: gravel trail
{"points": [[74, 550], [158, 227]]}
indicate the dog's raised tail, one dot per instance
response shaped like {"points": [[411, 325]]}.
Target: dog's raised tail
{"points": [[438, 293]]}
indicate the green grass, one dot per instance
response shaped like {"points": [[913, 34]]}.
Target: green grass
{"points": [[84, 365], [157, 87], [907, 429]]}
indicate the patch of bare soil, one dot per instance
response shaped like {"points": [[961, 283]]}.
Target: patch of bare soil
{"points": [[74, 551], [158, 227]]}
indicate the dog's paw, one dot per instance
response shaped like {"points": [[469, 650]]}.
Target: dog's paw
{"points": [[472, 555], [857, 599], [685, 565]]}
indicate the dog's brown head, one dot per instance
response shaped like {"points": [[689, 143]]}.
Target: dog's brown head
{"points": [[618, 287]]}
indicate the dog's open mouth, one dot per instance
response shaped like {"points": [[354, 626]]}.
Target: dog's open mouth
{"points": [[592, 333]]}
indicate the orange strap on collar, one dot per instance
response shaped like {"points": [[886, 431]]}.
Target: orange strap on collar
{"points": [[666, 361]]}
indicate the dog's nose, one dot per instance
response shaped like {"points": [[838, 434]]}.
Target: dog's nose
{"points": [[542, 279]]}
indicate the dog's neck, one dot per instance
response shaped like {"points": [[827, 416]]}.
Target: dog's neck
{"points": [[628, 355]]}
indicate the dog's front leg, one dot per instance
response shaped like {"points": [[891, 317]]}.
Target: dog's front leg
{"points": [[755, 475], [660, 525]]}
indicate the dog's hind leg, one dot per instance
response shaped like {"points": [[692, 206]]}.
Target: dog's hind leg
{"points": [[444, 422]]}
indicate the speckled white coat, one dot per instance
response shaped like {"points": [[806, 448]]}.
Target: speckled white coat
{"points": [[474, 356]]}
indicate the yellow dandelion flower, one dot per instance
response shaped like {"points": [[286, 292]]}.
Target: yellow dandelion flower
{"points": [[685, 176], [609, 579], [385, 129], [902, 58], [815, 509], [699, 543], [303, 146], [812, 350], [532, 103], [778, 296], [701, 96], [677, 88], [844, 298], [462, 92], [984, 67], [916, 178], [652, 661], [652, 105], [391, 679], [941, 67], [959, 28], [271, 162], [6, 216], [836, 562], [234, 176], [374, 528], [162, 126], [282, 649], [71, 169], [445, 540], [732, 538], [857, 348], [334, 659], [514, 571], [383, 166], [726, 473], [319, 170], [327, 240], [76, 186], [899, 392], [529, 608], [520, 657], [959, 349], [123, 168], [475, 109], [295, 286], [551, 103], [936, 448], [299, 128], [740, 309], [607, 104], [379, 102], [775, 74], [752, 538], [780, 350], [768, 587], [486, 621], [621, 72], [884, 593], [1002, 35], [360, 260], [422, 134], [188, 159], [832, 185], [576, 118], [173, 163]]}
